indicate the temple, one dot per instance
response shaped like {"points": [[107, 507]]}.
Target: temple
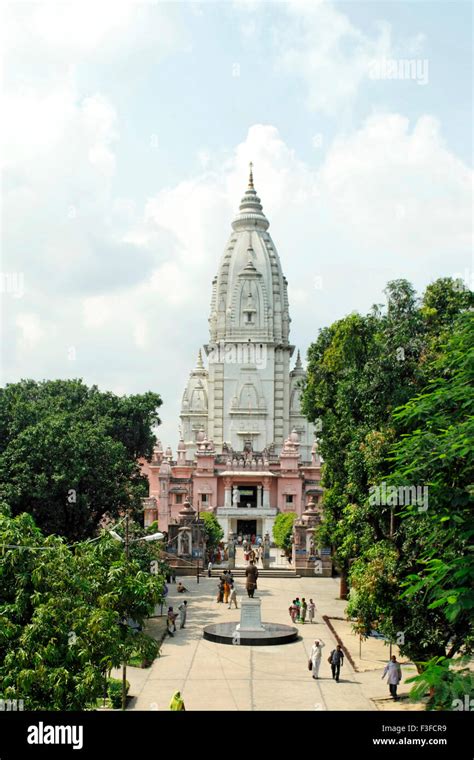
{"points": [[246, 451]]}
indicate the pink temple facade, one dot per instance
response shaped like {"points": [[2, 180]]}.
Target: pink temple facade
{"points": [[244, 490]]}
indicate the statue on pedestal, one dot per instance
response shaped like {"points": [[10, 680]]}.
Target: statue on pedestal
{"points": [[185, 542], [236, 497]]}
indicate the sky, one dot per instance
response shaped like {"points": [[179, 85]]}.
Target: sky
{"points": [[127, 130]]}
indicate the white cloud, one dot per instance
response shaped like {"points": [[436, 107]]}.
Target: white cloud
{"points": [[127, 284], [96, 311], [318, 44], [389, 200], [30, 329], [67, 32], [399, 188]]}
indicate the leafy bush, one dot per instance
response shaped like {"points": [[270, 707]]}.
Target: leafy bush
{"points": [[283, 529], [114, 691], [213, 530]]}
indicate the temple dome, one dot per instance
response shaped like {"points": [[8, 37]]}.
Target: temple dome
{"points": [[250, 298]]}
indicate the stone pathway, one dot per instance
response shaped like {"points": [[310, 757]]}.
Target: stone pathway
{"points": [[220, 677]]}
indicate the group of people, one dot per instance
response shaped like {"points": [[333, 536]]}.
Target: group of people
{"points": [[172, 616], [218, 555], [335, 659], [249, 540], [226, 591], [253, 554], [300, 610]]}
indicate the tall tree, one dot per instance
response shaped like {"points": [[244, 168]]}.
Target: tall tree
{"points": [[64, 612], [68, 453], [360, 371]]}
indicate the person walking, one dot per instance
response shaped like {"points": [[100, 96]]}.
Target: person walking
{"points": [[336, 659], [171, 621], [298, 607], [303, 610], [233, 597], [226, 591], [220, 592], [177, 702], [209, 569], [183, 608], [394, 672], [315, 656], [311, 610], [251, 573], [293, 610]]}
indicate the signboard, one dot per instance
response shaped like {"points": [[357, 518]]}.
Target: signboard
{"points": [[246, 492], [197, 553], [326, 550]]}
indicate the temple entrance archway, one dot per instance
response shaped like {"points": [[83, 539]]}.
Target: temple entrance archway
{"points": [[247, 527], [248, 496]]}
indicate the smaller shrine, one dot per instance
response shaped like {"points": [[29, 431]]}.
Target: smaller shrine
{"points": [[307, 559], [187, 540]]}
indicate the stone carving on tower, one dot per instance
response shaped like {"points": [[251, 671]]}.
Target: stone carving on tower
{"points": [[194, 406], [297, 421]]}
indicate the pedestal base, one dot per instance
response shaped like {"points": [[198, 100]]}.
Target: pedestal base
{"points": [[273, 633], [250, 615]]}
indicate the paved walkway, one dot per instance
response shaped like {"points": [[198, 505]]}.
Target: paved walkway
{"points": [[221, 677]]}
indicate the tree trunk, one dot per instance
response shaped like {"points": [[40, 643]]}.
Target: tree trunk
{"points": [[343, 587]]}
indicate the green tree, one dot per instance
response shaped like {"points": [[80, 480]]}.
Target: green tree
{"points": [[213, 530], [283, 530], [361, 370], [64, 613], [436, 451], [68, 453]]}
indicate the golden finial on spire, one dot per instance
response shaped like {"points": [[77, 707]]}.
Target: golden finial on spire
{"points": [[251, 187]]}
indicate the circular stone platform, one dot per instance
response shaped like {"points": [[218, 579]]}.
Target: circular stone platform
{"points": [[274, 633]]}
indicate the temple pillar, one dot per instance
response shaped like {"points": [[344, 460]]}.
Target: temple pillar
{"points": [[266, 493]]}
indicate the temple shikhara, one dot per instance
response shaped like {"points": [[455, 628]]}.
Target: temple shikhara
{"points": [[246, 451]]}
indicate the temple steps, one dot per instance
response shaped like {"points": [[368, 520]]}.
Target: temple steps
{"points": [[239, 572]]}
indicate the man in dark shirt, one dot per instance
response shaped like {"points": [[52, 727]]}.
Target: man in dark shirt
{"points": [[336, 659]]}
